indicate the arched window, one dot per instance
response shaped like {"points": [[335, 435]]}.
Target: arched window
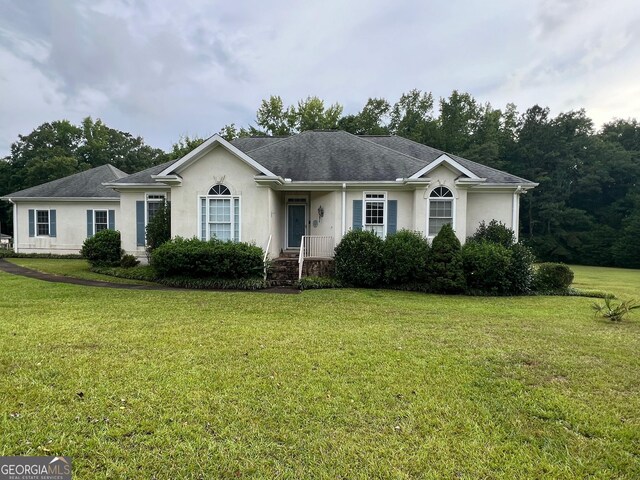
{"points": [[440, 210], [220, 214], [219, 189]]}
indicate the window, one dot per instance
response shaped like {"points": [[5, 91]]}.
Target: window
{"points": [[42, 222], [440, 209], [374, 213], [220, 215], [154, 202], [100, 220]]}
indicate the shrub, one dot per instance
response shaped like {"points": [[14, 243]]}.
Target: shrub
{"points": [[486, 267], [308, 283], [494, 232], [521, 270], [128, 261], [405, 258], [193, 258], [552, 277], [444, 266], [159, 228], [358, 259], [145, 273], [103, 249]]}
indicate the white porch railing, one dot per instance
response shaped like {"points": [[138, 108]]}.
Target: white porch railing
{"points": [[314, 246], [266, 254]]}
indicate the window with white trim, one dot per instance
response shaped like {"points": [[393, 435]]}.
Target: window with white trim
{"points": [[42, 222], [220, 215], [375, 213], [154, 203], [440, 209], [100, 220]]}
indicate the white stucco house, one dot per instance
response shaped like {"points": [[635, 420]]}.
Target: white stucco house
{"points": [[277, 192]]}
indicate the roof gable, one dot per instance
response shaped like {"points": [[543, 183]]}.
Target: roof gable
{"points": [[206, 146], [448, 161]]}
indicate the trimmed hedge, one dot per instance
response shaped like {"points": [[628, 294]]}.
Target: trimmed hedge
{"points": [[311, 283], [193, 258], [494, 232], [405, 256], [359, 259], [147, 273], [103, 249], [552, 277], [486, 268], [11, 254]]}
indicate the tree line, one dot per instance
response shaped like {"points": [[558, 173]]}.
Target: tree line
{"points": [[586, 209]]}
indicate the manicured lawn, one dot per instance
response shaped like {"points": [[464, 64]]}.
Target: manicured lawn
{"points": [[325, 384]]}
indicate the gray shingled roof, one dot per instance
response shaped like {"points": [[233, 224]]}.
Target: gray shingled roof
{"points": [[87, 184], [340, 156], [428, 154], [144, 176], [246, 144], [333, 156]]}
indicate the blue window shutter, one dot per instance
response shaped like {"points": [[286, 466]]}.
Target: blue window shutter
{"points": [[32, 223], [140, 223], [112, 220], [89, 223], [357, 214], [52, 223], [392, 217]]}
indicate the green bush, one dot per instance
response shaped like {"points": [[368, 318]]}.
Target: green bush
{"points": [[520, 271], [444, 266], [494, 232], [193, 258], [159, 228], [255, 283], [103, 249], [309, 283], [486, 268], [358, 259], [552, 277], [11, 254], [405, 258], [146, 273], [129, 261]]}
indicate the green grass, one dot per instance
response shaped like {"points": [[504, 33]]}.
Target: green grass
{"points": [[69, 268], [325, 384], [624, 283]]}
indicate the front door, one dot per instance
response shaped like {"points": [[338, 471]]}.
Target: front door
{"points": [[296, 218]]}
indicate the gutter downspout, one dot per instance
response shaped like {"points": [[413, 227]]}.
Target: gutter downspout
{"points": [[515, 210], [15, 225], [344, 209]]}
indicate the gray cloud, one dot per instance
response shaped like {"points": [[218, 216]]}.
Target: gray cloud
{"points": [[161, 69]]}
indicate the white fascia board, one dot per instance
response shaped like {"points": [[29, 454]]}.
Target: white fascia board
{"points": [[125, 186], [506, 186], [207, 145], [60, 199], [172, 180], [444, 158], [338, 186]]}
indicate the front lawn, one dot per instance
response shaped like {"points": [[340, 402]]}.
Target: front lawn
{"points": [[325, 384]]}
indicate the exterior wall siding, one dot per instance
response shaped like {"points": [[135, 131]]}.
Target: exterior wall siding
{"points": [[71, 225]]}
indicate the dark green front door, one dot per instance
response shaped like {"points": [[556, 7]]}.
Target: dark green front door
{"points": [[295, 225]]}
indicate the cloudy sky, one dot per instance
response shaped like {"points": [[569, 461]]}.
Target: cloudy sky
{"points": [[162, 69]]}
